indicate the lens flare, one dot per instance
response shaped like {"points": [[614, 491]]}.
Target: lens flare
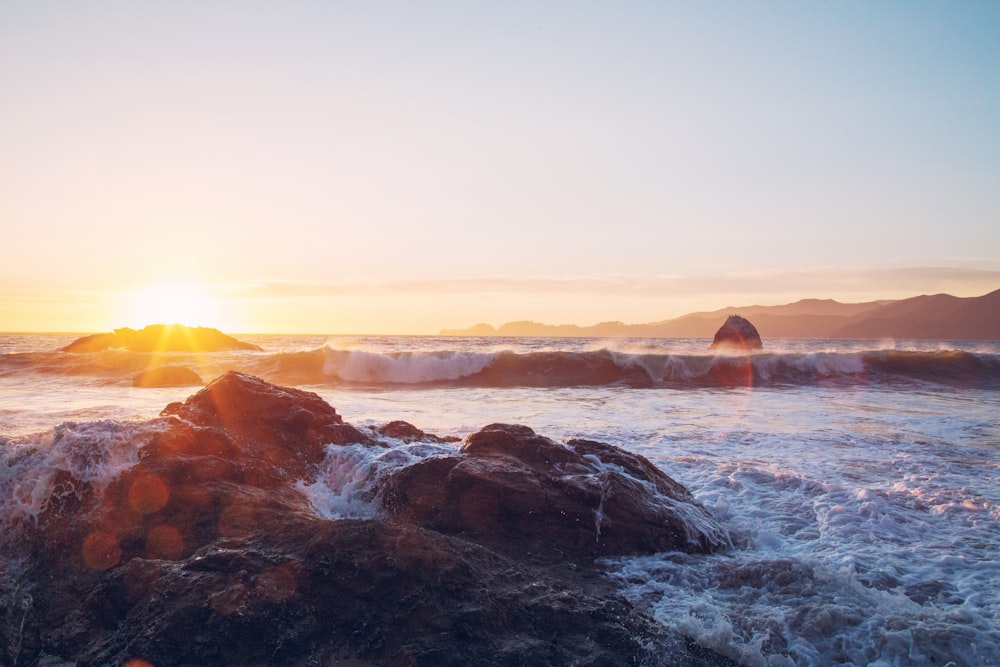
{"points": [[101, 551]]}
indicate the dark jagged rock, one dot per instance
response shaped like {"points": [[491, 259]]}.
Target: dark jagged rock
{"points": [[160, 338], [206, 552], [520, 492], [737, 334], [361, 592], [167, 376]]}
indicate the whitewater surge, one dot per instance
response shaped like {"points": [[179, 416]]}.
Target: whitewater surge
{"points": [[830, 573], [58, 464], [541, 363], [404, 367], [603, 366], [349, 477]]}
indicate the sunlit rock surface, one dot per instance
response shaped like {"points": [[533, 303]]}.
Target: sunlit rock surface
{"points": [[160, 338]]}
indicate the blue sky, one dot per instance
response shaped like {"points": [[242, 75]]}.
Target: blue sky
{"points": [[405, 167]]}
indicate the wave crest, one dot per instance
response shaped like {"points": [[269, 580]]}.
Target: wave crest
{"points": [[548, 368], [404, 367]]}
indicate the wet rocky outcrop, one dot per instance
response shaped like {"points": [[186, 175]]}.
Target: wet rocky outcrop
{"points": [[160, 338], [406, 432], [523, 493], [203, 549], [737, 333], [167, 376], [266, 419]]}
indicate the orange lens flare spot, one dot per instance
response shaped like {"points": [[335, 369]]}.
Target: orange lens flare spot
{"points": [[237, 522], [101, 551], [148, 494], [136, 662], [277, 584], [164, 542]]}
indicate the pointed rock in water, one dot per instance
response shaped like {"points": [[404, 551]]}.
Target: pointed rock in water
{"points": [[738, 334], [521, 493], [167, 376], [160, 338]]}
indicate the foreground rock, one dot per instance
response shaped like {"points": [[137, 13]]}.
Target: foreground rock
{"points": [[279, 424], [167, 376], [522, 493], [737, 333], [160, 338], [406, 432], [205, 551]]}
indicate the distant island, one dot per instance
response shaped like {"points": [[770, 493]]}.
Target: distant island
{"points": [[160, 338], [939, 316]]}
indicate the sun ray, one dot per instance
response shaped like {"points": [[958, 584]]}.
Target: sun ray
{"points": [[179, 307], [171, 303]]}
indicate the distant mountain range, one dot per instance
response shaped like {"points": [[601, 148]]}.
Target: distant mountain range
{"points": [[940, 316]]}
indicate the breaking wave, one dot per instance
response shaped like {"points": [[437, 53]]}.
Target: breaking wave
{"points": [[544, 368]]}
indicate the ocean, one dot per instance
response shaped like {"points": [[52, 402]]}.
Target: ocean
{"points": [[859, 480]]}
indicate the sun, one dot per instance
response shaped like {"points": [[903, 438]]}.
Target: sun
{"points": [[177, 303]]}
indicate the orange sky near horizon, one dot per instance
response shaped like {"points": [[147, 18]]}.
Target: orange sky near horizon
{"points": [[388, 309], [391, 168]]}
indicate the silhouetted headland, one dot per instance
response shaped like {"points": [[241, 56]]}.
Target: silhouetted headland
{"points": [[160, 338], [939, 317]]}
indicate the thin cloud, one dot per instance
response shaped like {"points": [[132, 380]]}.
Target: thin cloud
{"points": [[818, 282]]}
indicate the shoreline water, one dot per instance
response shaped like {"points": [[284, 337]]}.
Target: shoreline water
{"points": [[866, 512]]}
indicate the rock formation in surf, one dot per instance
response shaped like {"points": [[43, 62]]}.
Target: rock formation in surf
{"points": [[204, 548], [737, 334], [167, 376], [407, 432], [160, 338], [520, 492]]}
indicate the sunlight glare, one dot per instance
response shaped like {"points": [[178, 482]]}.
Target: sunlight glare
{"points": [[171, 304]]}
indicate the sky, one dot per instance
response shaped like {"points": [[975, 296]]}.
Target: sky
{"points": [[400, 167]]}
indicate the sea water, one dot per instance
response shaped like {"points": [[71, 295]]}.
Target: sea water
{"points": [[859, 480]]}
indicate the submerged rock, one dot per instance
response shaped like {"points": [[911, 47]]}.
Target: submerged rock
{"points": [[167, 376], [160, 338], [737, 333], [202, 549]]}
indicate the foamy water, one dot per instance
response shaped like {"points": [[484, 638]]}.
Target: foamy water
{"points": [[864, 500]]}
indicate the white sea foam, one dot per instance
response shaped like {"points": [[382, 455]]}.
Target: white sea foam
{"points": [[92, 453], [817, 365], [834, 573], [404, 367], [767, 366], [665, 367], [350, 476]]}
